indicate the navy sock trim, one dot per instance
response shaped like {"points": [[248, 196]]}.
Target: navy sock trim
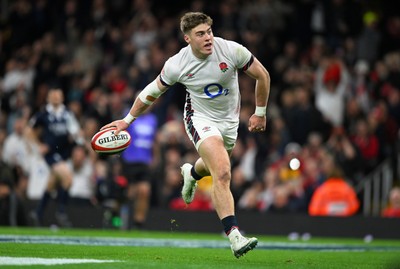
{"points": [[229, 224], [195, 175]]}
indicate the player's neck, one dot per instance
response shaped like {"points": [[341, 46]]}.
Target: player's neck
{"points": [[199, 56]]}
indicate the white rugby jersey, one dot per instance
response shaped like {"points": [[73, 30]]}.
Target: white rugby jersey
{"points": [[211, 83]]}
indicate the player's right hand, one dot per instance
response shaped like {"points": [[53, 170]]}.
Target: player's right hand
{"points": [[119, 124]]}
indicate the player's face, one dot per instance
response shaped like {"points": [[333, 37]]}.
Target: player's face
{"points": [[201, 40], [55, 97]]}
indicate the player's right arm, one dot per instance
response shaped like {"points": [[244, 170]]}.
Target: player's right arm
{"points": [[142, 102], [149, 94]]}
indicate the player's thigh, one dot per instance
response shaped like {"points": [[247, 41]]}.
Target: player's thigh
{"points": [[215, 156]]}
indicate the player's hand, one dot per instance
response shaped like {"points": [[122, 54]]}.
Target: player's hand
{"points": [[119, 124], [257, 123]]}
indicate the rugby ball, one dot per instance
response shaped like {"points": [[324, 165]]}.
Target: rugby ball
{"points": [[106, 142]]}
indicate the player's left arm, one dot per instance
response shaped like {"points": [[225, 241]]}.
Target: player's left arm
{"points": [[256, 70]]}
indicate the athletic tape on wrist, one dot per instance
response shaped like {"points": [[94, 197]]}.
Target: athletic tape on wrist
{"points": [[129, 118], [150, 93], [261, 111]]}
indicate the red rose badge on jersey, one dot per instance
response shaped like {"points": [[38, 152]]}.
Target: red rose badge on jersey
{"points": [[223, 66]]}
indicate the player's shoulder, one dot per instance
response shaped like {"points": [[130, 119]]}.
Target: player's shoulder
{"points": [[180, 56], [231, 47], [225, 43], [174, 65], [235, 51]]}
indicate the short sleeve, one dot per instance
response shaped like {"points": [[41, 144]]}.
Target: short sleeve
{"points": [[169, 74], [241, 55]]}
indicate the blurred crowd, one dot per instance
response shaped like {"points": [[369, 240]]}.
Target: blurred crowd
{"points": [[333, 113]]}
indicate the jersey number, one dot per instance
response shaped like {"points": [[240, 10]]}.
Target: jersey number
{"points": [[213, 87]]}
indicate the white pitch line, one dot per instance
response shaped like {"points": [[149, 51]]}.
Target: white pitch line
{"points": [[184, 243], [44, 261]]}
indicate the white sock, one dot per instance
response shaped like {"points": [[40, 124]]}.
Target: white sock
{"points": [[233, 234]]}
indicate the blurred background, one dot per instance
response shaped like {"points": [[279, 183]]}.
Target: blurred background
{"points": [[332, 120]]}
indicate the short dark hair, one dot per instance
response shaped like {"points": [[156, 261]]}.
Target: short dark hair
{"points": [[192, 19]]}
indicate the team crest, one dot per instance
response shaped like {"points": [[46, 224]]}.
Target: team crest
{"points": [[223, 66]]}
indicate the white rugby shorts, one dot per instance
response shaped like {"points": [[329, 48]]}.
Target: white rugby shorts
{"points": [[199, 129]]}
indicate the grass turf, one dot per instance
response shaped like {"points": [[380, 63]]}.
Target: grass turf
{"points": [[175, 257]]}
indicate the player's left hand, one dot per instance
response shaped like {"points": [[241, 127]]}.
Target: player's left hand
{"points": [[257, 123]]}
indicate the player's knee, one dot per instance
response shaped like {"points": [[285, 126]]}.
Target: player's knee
{"points": [[223, 175]]}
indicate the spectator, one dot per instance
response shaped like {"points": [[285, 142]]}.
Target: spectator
{"points": [[99, 106], [144, 30], [16, 153], [20, 73], [392, 210], [384, 126], [170, 191], [138, 163], [38, 169], [335, 197], [306, 118], [353, 112], [12, 211], [239, 183], [82, 190], [22, 24], [347, 155], [331, 83], [360, 85], [394, 105], [370, 38], [282, 187], [50, 53], [87, 56], [367, 143], [260, 196]]}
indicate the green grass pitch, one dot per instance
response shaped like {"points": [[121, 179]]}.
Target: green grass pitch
{"points": [[145, 249]]}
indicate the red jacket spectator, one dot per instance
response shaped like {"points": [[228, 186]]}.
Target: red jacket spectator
{"points": [[335, 197]]}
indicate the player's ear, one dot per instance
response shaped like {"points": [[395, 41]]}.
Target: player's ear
{"points": [[186, 38]]}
